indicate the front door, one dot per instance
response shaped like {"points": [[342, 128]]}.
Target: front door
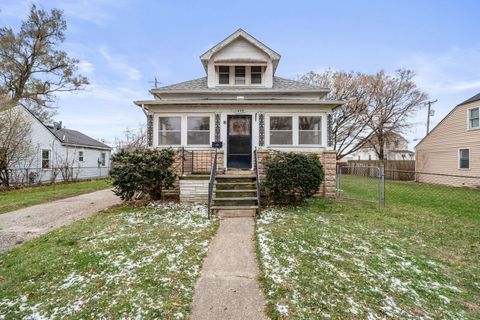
{"points": [[239, 141]]}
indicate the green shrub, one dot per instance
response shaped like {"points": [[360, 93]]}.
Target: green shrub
{"points": [[142, 172], [291, 177]]}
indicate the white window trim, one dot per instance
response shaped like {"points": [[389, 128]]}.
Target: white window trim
{"points": [[295, 131], [83, 156], [469, 159], [183, 129], [209, 130], [103, 164], [248, 76], [158, 129], [49, 159], [321, 131], [468, 119]]}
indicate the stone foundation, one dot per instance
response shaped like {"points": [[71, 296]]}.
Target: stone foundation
{"points": [[193, 190]]}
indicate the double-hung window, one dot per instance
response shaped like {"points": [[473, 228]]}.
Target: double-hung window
{"points": [[103, 159], [281, 132], [198, 130], [309, 130], [80, 156], [474, 118], [464, 158], [170, 131], [239, 74], [256, 75], [45, 159], [223, 74]]}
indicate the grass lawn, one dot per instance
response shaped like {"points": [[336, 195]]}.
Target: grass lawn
{"points": [[339, 259], [126, 263], [26, 197]]}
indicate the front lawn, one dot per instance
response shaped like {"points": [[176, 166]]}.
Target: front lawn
{"points": [[334, 259], [29, 196], [128, 263]]}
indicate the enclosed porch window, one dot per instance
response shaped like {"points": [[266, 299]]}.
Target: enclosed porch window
{"points": [[281, 132], [309, 130], [170, 131], [198, 130]]}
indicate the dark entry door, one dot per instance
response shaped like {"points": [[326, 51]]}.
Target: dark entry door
{"points": [[239, 141]]}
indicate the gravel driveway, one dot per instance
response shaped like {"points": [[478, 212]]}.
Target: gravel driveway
{"points": [[26, 224]]}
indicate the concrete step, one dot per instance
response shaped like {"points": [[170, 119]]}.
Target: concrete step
{"points": [[238, 198], [236, 213], [235, 193], [235, 185], [216, 207]]}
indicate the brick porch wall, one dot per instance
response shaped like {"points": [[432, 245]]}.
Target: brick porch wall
{"points": [[329, 162]]}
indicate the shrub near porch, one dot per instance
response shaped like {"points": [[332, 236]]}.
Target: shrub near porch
{"points": [[344, 260], [126, 263]]}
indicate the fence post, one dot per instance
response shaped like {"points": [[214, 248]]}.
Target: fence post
{"points": [[382, 173]]}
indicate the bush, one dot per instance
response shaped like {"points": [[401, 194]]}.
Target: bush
{"points": [[142, 172], [292, 177]]}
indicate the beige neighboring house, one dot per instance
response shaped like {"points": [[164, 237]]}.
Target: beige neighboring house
{"points": [[453, 147], [395, 148]]}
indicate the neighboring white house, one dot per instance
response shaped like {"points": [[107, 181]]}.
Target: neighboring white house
{"points": [[243, 104], [395, 148], [59, 154]]}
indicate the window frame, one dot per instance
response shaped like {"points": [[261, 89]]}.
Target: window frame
{"points": [[244, 75], [81, 156], [260, 73], [469, 119], [49, 159], [220, 73], [159, 130], [320, 130], [292, 130], [209, 130], [296, 136], [103, 159], [460, 159]]}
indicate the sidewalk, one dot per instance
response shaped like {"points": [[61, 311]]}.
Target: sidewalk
{"points": [[228, 287], [26, 224]]}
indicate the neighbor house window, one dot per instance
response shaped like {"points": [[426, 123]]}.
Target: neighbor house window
{"points": [[464, 158], [80, 156], [224, 75], [474, 118], [169, 131], [309, 130], [240, 75], [103, 159], [198, 130], [45, 159], [281, 130], [256, 75]]}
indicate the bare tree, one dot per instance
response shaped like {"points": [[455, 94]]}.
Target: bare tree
{"points": [[15, 141], [393, 100], [350, 131], [32, 67], [375, 106], [133, 139]]}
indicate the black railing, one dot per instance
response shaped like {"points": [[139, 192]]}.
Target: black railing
{"points": [[211, 183], [257, 180], [196, 161]]}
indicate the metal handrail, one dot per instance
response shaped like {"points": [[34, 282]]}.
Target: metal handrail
{"points": [[257, 181], [211, 183]]}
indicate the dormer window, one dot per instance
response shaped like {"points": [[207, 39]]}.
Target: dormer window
{"points": [[240, 74], [224, 75], [256, 75]]}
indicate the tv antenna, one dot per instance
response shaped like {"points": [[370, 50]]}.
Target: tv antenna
{"points": [[155, 82]]}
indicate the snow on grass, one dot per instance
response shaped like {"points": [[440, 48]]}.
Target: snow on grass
{"points": [[132, 264], [313, 266]]}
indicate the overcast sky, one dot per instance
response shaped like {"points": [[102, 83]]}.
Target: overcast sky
{"points": [[122, 45]]}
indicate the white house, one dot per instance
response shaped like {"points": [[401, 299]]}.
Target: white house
{"points": [[245, 106], [59, 154], [395, 148]]}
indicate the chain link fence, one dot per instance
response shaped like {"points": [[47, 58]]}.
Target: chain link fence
{"points": [[36, 176], [435, 192]]}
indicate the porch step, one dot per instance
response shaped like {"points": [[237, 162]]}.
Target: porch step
{"points": [[230, 186], [239, 213], [235, 195], [235, 199], [233, 207]]}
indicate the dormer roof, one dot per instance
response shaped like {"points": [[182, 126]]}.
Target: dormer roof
{"points": [[240, 33]]}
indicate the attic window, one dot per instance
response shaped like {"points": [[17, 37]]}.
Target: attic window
{"points": [[256, 75], [240, 75], [474, 118], [224, 75]]}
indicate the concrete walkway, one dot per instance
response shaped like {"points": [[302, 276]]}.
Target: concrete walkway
{"points": [[26, 224], [228, 287]]}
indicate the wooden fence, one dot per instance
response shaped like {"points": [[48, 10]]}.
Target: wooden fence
{"points": [[394, 169]]}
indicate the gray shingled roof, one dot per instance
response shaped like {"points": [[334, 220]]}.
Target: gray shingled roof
{"points": [[76, 138], [201, 84], [472, 99]]}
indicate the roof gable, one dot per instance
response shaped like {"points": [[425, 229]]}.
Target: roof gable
{"points": [[472, 99], [239, 34]]}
